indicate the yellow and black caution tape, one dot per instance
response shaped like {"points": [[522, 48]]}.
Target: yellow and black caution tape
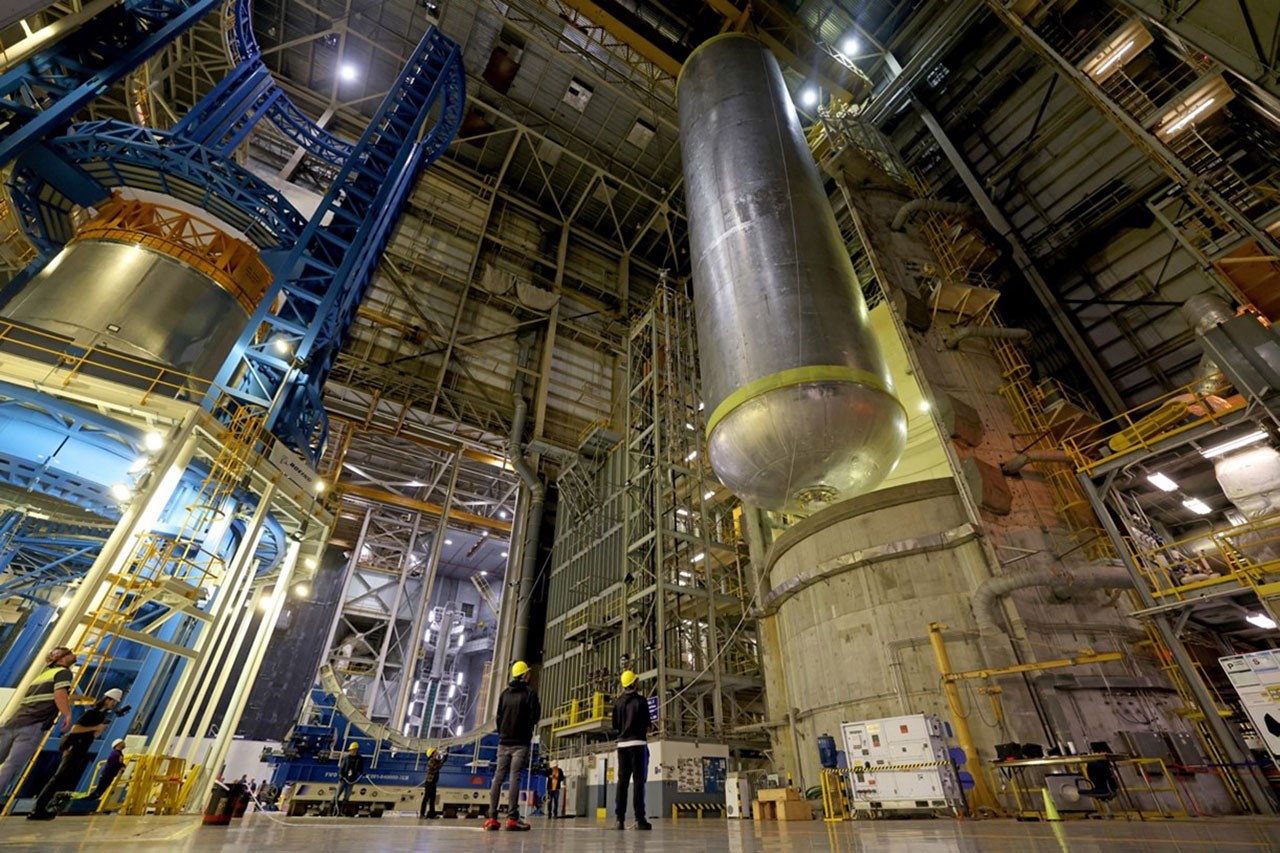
{"points": [[698, 808], [920, 765]]}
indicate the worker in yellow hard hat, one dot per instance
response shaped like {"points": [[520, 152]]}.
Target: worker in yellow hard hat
{"points": [[350, 769], [518, 714], [631, 721], [435, 760]]}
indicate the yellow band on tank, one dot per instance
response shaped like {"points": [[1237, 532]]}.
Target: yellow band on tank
{"points": [[796, 376], [699, 48]]}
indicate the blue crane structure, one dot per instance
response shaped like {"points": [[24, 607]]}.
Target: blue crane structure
{"points": [[322, 267]]}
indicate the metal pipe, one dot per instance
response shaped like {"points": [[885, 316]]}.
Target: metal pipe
{"points": [[1027, 457], [532, 524], [985, 333], [986, 598], [932, 205], [982, 797]]}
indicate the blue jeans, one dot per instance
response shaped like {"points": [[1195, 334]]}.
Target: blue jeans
{"points": [[511, 762], [343, 793]]}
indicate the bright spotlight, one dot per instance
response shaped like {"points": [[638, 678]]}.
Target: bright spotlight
{"points": [[153, 441], [809, 96], [850, 46], [347, 71], [121, 492]]}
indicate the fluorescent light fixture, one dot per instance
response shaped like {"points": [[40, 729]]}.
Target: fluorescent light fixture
{"points": [[693, 454], [849, 46], [1113, 58], [1261, 620], [415, 484], [505, 553], [1197, 506], [1233, 444], [809, 96], [682, 511], [448, 541], [686, 575], [448, 714], [690, 427], [483, 573], [457, 731], [459, 678], [1161, 482], [698, 556], [709, 495], [347, 71], [153, 441], [453, 690], [1189, 117], [66, 599], [701, 406]]}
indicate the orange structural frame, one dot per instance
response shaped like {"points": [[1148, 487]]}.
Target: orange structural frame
{"points": [[233, 264]]}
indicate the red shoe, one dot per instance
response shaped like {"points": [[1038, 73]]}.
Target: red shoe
{"points": [[491, 824], [517, 825]]}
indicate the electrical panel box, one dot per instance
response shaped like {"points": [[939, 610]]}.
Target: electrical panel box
{"points": [[900, 764], [1256, 678], [575, 796], [737, 795]]}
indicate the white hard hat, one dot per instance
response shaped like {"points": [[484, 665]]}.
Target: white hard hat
{"points": [[118, 742], [114, 693]]}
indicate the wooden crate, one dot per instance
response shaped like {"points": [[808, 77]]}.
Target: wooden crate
{"points": [[781, 810]]}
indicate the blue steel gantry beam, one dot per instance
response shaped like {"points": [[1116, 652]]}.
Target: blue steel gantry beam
{"points": [[284, 355], [40, 95]]}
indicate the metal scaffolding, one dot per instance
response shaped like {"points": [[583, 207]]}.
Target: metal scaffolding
{"points": [[650, 569]]}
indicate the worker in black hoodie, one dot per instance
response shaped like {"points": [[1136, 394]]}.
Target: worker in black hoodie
{"points": [[518, 714], [631, 722]]}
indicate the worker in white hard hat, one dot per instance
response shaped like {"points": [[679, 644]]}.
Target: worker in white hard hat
{"points": [[518, 715], [75, 748], [631, 721], [46, 701], [110, 768]]}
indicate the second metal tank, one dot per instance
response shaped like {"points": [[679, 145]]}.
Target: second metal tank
{"points": [[801, 411]]}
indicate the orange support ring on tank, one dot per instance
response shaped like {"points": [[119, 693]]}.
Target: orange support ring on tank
{"points": [[233, 264]]}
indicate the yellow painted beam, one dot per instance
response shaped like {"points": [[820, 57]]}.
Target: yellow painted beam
{"points": [[623, 33], [1059, 663], [426, 507]]}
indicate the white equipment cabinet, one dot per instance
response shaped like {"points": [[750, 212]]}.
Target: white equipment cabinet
{"points": [[737, 796], [900, 764], [1256, 678]]}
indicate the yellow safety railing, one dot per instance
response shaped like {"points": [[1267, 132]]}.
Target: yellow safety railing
{"points": [[579, 712], [1144, 427], [1246, 553], [70, 361], [602, 611]]}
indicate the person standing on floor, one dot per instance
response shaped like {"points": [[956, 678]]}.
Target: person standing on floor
{"points": [[435, 760], [47, 700], [555, 784], [350, 769], [111, 769], [75, 748], [518, 715], [631, 721]]}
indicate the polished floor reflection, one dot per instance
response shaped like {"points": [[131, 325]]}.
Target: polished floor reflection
{"points": [[267, 832]]}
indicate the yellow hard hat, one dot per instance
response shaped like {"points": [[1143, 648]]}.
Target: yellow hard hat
{"points": [[628, 678], [353, 746], [519, 668], [431, 750]]}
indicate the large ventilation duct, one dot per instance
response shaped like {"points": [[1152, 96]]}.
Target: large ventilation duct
{"points": [[801, 409], [1251, 481]]}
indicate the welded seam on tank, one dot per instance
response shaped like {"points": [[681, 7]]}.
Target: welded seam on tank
{"points": [[796, 376], [865, 557]]}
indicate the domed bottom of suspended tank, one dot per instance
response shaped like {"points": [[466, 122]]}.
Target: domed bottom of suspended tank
{"points": [[807, 445]]}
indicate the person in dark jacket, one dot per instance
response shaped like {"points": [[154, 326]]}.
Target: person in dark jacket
{"points": [[555, 789], [435, 760], [111, 769], [518, 715], [75, 747], [631, 722], [350, 769]]}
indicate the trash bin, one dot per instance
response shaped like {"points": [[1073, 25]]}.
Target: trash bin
{"points": [[222, 802], [241, 801]]}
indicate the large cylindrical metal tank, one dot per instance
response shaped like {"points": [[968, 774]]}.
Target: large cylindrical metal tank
{"points": [[801, 409], [162, 297]]}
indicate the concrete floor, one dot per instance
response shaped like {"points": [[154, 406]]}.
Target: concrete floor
{"points": [[262, 832]]}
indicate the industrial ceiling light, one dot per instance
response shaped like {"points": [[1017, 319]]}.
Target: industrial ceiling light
{"points": [[483, 573], [121, 492], [1197, 506], [809, 96], [311, 563], [320, 487], [1124, 45], [849, 46], [1161, 482], [139, 465], [693, 454], [709, 495], [697, 557], [1203, 101], [503, 514], [301, 590], [153, 441], [484, 533], [347, 71], [1261, 620], [282, 345], [1233, 444], [448, 541]]}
